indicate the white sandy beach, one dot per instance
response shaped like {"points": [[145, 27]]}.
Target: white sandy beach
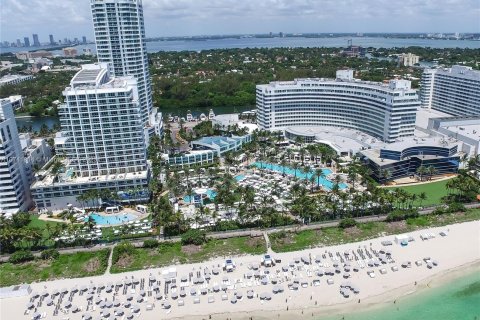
{"points": [[459, 249]]}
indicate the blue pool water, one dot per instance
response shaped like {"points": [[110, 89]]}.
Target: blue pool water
{"points": [[240, 177], [211, 194], [300, 174], [112, 218]]}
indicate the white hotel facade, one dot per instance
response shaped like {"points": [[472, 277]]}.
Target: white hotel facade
{"points": [[384, 111], [14, 183], [120, 42], [102, 143], [455, 90]]}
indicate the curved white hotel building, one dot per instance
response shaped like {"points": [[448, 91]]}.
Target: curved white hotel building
{"points": [[384, 111]]}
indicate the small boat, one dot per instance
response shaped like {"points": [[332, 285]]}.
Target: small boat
{"points": [[189, 116], [203, 117], [170, 118], [175, 119], [211, 114]]}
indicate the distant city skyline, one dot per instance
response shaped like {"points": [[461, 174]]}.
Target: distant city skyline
{"points": [[188, 18]]}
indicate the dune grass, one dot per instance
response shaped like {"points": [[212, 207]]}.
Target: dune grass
{"points": [[291, 241], [175, 253], [81, 264]]}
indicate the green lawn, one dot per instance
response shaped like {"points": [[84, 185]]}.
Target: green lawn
{"points": [[174, 253], [434, 190], [289, 241], [76, 265], [35, 222]]}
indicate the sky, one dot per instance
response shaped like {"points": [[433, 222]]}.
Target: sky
{"points": [[71, 18]]}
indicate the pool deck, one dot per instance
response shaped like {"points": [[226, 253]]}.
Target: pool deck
{"points": [[139, 216]]}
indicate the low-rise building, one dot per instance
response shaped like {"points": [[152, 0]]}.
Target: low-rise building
{"points": [[221, 145], [12, 79], [36, 153], [70, 52], [403, 159], [408, 59], [194, 157]]}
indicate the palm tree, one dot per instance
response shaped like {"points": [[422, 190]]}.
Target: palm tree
{"points": [[320, 175], [421, 171], [283, 163], [295, 167], [90, 223], [431, 170], [312, 183], [422, 197]]}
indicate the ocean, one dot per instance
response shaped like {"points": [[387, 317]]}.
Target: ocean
{"points": [[457, 299]]}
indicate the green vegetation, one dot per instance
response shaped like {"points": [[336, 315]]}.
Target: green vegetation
{"points": [[347, 223], [172, 253], [40, 92], [50, 254], [398, 215], [227, 77], [194, 236], [434, 191], [35, 222], [21, 256], [290, 241], [81, 264]]}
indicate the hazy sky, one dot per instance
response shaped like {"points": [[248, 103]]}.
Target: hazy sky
{"points": [[71, 18]]}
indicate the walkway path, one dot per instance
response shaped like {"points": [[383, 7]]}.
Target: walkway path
{"points": [[267, 241], [238, 233], [417, 183], [109, 265]]}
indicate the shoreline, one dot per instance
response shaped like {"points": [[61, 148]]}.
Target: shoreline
{"points": [[456, 254], [373, 303]]}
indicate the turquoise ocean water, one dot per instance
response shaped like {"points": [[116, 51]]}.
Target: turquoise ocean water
{"points": [[458, 299]]}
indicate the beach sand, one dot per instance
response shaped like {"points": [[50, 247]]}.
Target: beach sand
{"points": [[459, 251]]}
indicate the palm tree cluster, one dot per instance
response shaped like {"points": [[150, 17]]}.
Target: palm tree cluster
{"points": [[462, 188], [92, 197], [15, 233], [427, 172]]}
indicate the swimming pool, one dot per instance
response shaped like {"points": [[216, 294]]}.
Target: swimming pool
{"points": [[210, 193], [327, 184], [111, 219], [240, 177]]}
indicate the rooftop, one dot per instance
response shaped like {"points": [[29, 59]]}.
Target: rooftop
{"points": [[45, 178], [424, 114], [419, 141], [91, 75], [11, 77], [461, 71], [391, 86], [340, 139]]}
